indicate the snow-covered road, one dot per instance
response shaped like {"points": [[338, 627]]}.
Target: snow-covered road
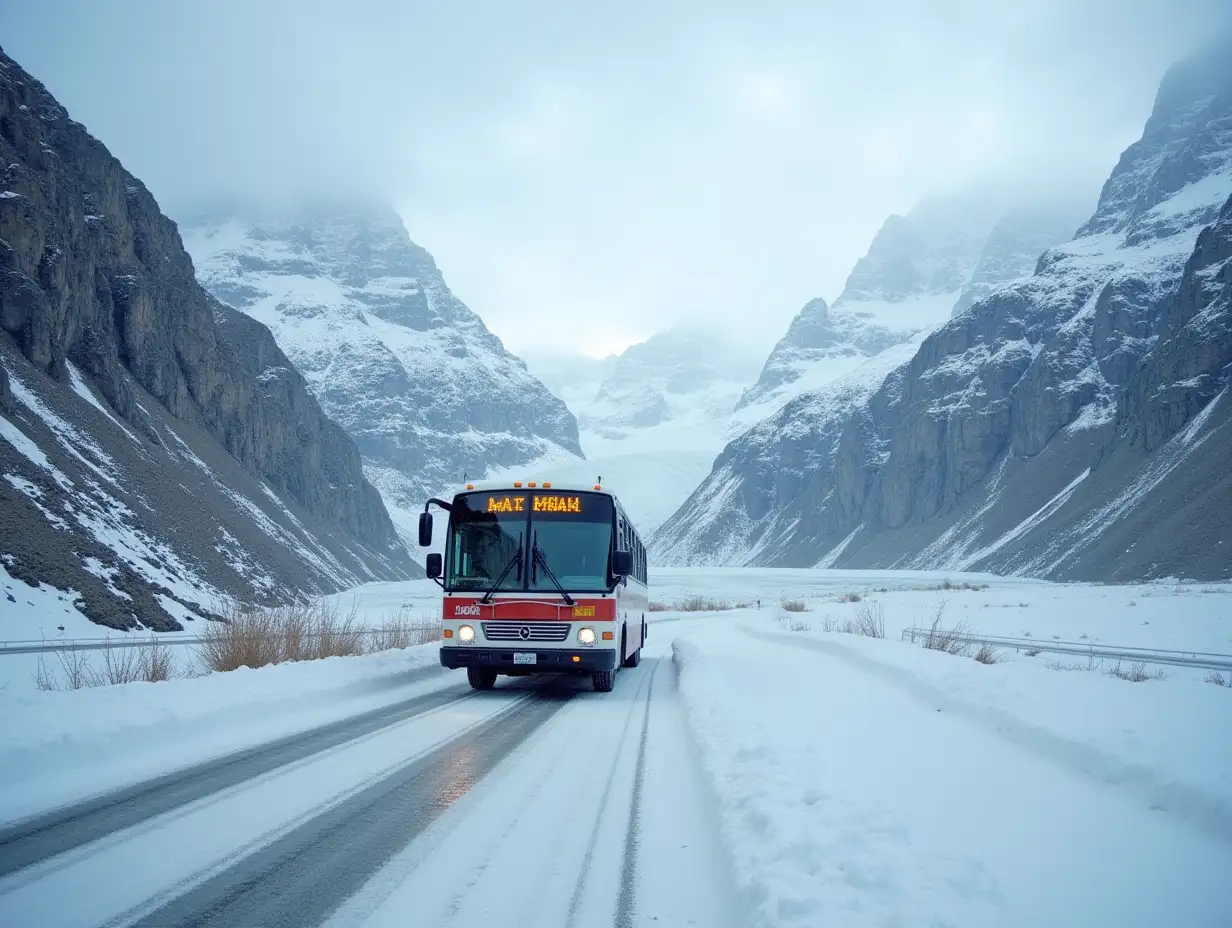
{"points": [[759, 768], [540, 802]]}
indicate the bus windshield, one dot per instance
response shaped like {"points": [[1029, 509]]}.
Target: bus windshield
{"points": [[482, 544], [571, 531]]}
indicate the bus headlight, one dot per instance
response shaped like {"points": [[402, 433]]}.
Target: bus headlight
{"points": [[586, 635], [466, 634]]}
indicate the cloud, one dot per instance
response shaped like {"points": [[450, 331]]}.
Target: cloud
{"points": [[615, 170]]}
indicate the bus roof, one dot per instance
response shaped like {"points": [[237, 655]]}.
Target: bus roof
{"points": [[494, 486]]}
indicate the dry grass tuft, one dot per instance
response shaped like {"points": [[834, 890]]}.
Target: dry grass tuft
{"points": [[247, 637], [987, 654], [948, 584], [795, 605], [1137, 672], [400, 631], [121, 663], [260, 636], [850, 598], [1219, 679], [696, 603]]}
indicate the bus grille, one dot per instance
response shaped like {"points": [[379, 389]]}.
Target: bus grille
{"points": [[535, 631]]}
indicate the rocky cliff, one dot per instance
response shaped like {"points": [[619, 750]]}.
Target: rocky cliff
{"points": [[1073, 425], [159, 448], [426, 390]]}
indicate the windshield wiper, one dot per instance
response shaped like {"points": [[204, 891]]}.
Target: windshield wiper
{"points": [[538, 558], [516, 559]]}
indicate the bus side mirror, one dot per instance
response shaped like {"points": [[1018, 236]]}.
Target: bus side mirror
{"points": [[425, 529], [433, 565], [622, 563]]}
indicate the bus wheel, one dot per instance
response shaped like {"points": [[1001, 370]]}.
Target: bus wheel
{"points": [[633, 659], [604, 680], [481, 678]]}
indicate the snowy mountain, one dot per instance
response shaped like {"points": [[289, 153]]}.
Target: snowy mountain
{"points": [[652, 418], [1012, 249], [412, 374], [159, 452], [908, 282], [575, 378], [683, 372], [1076, 424]]}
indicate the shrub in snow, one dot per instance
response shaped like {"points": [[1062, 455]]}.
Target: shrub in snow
{"points": [[869, 621], [987, 654]]}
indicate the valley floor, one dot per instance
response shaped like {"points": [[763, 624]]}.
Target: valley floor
{"points": [[756, 769]]}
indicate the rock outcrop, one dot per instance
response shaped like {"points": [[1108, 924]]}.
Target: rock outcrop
{"points": [[120, 368]]}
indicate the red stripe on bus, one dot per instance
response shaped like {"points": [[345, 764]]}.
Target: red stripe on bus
{"points": [[528, 610]]}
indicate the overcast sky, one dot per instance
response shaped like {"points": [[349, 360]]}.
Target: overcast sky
{"points": [[587, 178]]}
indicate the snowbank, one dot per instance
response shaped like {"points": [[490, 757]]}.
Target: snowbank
{"points": [[870, 782], [57, 747]]}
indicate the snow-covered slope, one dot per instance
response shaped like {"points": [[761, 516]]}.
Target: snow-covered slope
{"points": [[908, 282], [575, 378], [652, 418], [684, 373], [1072, 424], [157, 450], [426, 390], [1012, 249]]}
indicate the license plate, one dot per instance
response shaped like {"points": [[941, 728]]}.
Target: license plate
{"points": [[522, 657]]}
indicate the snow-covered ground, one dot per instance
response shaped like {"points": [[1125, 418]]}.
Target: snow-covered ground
{"points": [[867, 782], [829, 778]]}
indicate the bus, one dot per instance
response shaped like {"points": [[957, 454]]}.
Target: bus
{"points": [[538, 578]]}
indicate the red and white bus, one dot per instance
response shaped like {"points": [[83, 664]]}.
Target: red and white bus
{"points": [[539, 578]]}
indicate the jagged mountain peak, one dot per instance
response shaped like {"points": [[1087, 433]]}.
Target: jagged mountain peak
{"points": [[427, 390], [1188, 137], [908, 282]]}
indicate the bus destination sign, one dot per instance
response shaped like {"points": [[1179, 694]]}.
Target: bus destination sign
{"points": [[540, 502]]}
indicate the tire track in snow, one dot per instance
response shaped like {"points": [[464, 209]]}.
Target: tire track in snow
{"points": [[50, 834], [575, 902], [302, 877], [628, 870]]}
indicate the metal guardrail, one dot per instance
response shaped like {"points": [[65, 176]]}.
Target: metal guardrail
{"points": [[1202, 660], [47, 645]]}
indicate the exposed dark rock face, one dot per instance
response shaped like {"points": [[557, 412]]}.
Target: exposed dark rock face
{"points": [[1058, 427], [97, 292], [426, 390]]}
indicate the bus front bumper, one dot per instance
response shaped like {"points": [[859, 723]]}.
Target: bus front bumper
{"points": [[548, 661]]}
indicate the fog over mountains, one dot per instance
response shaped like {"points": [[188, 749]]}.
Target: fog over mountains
{"points": [[1072, 424]]}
